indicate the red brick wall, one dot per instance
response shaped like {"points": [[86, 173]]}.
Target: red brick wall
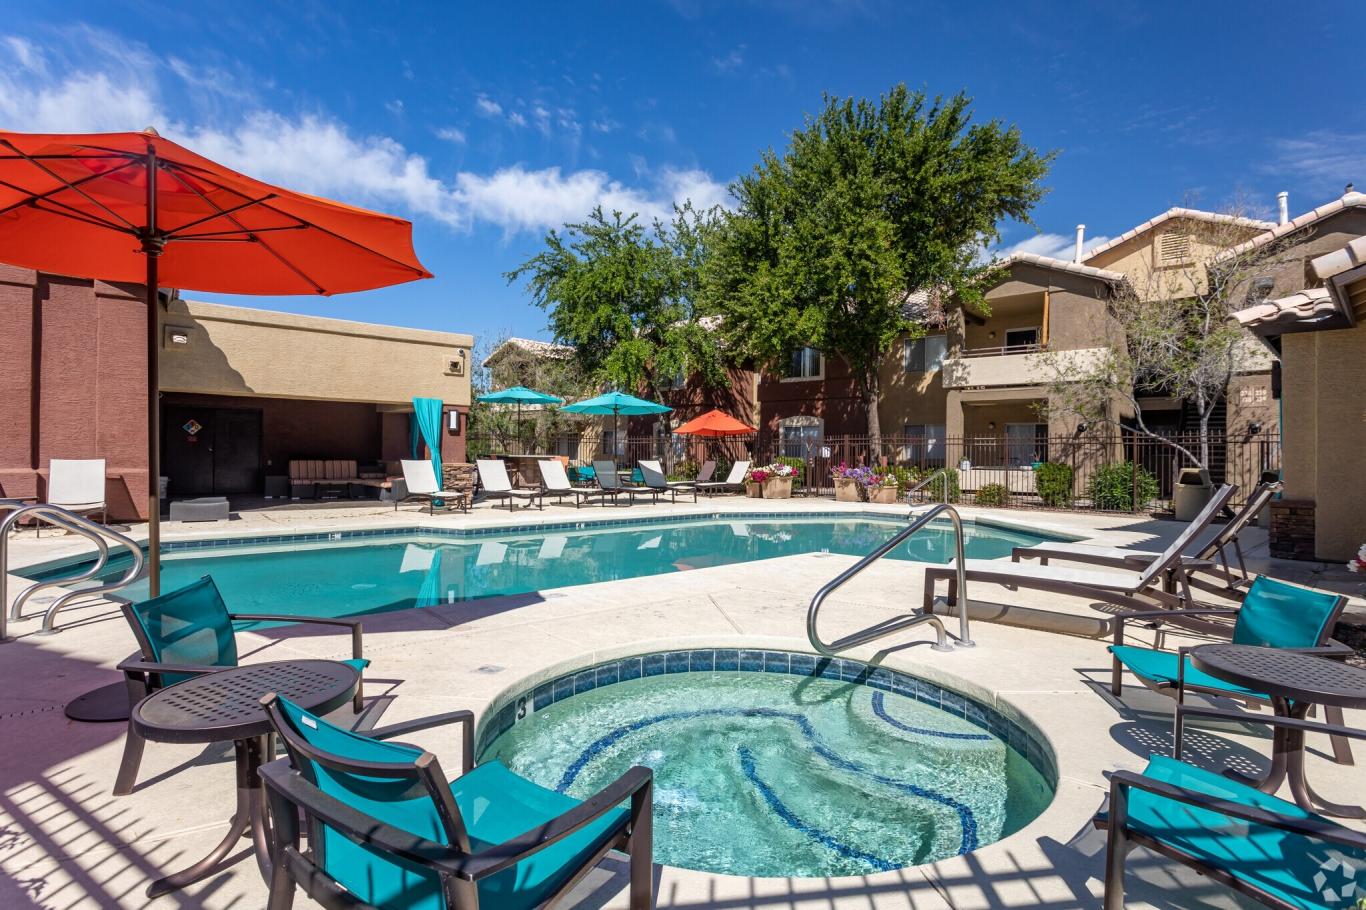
{"points": [[833, 398], [73, 376]]}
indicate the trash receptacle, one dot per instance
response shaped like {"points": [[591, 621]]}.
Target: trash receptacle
{"points": [[1264, 519], [1192, 493]]}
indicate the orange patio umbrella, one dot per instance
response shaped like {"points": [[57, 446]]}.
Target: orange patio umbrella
{"points": [[713, 424], [134, 207]]}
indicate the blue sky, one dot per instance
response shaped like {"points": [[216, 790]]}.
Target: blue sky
{"points": [[487, 123]]}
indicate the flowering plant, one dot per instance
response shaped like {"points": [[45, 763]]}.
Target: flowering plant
{"points": [[1358, 562], [756, 475], [765, 472]]}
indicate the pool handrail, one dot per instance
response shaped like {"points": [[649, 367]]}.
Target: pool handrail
{"points": [[880, 630], [96, 533], [926, 481]]}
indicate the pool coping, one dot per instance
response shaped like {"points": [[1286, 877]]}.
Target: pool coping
{"points": [[263, 538]]}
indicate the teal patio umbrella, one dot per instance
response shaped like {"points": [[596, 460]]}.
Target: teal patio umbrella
{"points": [[520, 395], [616, 404]]}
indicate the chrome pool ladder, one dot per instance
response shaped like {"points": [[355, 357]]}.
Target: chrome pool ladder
{"points": [[94, 532], [883, 629]]}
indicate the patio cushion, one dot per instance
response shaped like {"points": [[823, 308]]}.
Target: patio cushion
{"points": [[1161, 667], [495, 805], [1278, 862]]}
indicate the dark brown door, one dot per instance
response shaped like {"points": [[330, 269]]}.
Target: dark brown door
{"points": [[211, 451]]}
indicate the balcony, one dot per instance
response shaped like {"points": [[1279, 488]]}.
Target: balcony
{"points": [[1017, 365]]}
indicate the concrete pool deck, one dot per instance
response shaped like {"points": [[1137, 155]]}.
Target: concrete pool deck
{"points": [[65, 842]]}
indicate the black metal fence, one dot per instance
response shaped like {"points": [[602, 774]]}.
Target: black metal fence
{"points": [[1117, 471]]}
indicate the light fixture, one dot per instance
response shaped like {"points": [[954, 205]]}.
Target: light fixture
{"points": [[1254, 428], [991, 426]]}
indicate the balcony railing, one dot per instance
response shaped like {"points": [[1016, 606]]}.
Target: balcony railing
{"points": [[1003, 349]]}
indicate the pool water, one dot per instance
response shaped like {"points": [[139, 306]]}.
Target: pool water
{"points": [[766, 774], [357, 575]]}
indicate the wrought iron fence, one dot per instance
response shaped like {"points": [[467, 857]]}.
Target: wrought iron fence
{"points": [[1086, 471]]}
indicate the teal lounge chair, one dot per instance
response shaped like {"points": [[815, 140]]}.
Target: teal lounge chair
{"points": [[386, 831], [188, 632], [1273, 614], [1261, 846]]}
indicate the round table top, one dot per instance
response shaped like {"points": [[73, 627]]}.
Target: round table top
{"points": [[226, 705], [1276, 671]]}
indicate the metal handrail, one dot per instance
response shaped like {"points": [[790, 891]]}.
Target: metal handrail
{"points": [[926, 481], [96, 533], [895, 625]]}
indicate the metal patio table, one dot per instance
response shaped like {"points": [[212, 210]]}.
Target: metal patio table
{"points": [[225, 706], [1294, 682]]}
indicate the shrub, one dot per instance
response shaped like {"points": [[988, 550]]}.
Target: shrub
{"points": [[1112, 486], [684, 470], [902, 475], [993, 494], [935, 491], [1053, 482]]}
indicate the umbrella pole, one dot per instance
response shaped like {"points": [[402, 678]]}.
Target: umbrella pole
{"points": [[151, 249]]}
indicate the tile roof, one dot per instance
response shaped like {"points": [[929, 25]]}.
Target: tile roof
{"points": [[1178, 212], [1347, 201], [533, 347], [1339, 261], [1064, 265], [1299, 312]]}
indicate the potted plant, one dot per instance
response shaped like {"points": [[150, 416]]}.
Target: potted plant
{"points": [[847, 485], [883, 489], [777, 480], [754, 482]]}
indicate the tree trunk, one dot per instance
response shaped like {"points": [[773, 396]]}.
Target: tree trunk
{"points": [[1205, 412], [871, 393]]}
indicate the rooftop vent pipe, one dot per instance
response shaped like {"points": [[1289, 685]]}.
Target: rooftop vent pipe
{"points": [[1081, 242], [1283, 207]]}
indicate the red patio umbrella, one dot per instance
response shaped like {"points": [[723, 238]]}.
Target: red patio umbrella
{"points": [[715, 423], [135, 207]]}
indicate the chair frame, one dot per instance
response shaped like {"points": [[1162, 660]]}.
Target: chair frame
{"points": [[511, 494], [1121, 839], [463, 497], [290, 795], [621, 487], [713, 487], [142, 676], [579, 493], [673, 488]]}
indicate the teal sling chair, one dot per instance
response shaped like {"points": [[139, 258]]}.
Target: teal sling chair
{"points": [[386, 831], [1274, 614], [189, 632]]}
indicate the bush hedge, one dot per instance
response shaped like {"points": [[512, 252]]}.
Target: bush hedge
{"points": [[935, 491], [993, 494], [1053, 483], [797, 464], [1112, 488]]}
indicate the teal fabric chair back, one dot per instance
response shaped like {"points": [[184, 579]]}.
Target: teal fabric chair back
{"points": [[395, 789], [189, 625], [1275, 614]]}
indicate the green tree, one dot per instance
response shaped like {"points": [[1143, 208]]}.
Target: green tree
{"points": [[625, 297], [870, 202]]}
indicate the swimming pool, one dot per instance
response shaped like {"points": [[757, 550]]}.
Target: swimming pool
{"points": [[352, 573], [773, 763]]}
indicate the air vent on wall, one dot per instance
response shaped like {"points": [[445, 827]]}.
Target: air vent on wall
{"points": [[1173, 248]]}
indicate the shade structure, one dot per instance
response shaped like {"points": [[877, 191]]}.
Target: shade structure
{"points": [[135, 207], [520, 395], [714, 424], [616, 404]]}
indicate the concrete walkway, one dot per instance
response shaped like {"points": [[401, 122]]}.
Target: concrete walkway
{"points": [[66, 843]]}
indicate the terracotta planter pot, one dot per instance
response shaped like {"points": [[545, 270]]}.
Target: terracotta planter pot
{"points": [[754, 490], [886, 496], [846, 489], [778, 488]]}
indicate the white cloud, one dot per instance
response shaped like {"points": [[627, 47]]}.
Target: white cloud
{"points": [[487, 106], [1325, 160], [518, 199], [1055, 246], [394, 107], [118, 88], [605, 125], [731, 61]]}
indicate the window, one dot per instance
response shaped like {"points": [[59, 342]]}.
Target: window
{"points": [[800, 437], [924, 444], [612, 444], [1021, 338], [804, 364], [924, 355], [1026, 443], [674, 383]]}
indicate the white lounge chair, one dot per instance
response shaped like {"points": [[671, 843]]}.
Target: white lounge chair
{"points": [[1209, 558], [608, 479], [1123, 587], [555, 482], [734, 482], [77, 485], [656, 479], [420, 478], [493, 476]]}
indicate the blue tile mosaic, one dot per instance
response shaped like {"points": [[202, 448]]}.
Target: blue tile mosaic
{"points": [[722, 660]]}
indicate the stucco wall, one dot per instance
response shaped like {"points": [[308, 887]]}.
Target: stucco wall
{"points": [[239, 351]]}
